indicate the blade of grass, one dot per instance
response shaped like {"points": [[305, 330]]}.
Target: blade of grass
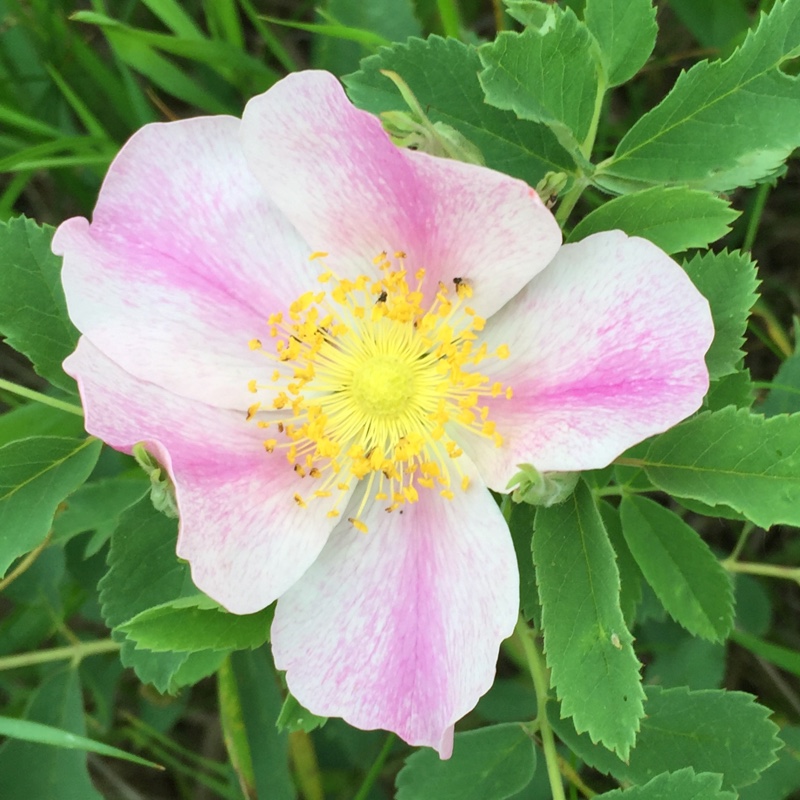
{"points": [[175, 18], [90, 122], [223, 22], [274, 44], [370, 40]]}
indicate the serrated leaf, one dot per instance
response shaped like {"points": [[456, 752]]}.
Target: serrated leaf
{"points": [[145, 572], [33, 312], [593, 667], [31, 770], [487, 764], [36, 474], [177, 626], [745, 105], [728, 281], [626, 32], [784, 396], [294, 717], [680, 567], [36, 419], [673, 217], [783, 777], [443, 75], [710, 731], [732, 457], [685, 784], [551, 74]]}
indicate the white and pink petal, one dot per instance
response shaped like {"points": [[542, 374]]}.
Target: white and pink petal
{"points": [[399, 628], [244, 535], [607, 348], [352, 193], [183, 262]]}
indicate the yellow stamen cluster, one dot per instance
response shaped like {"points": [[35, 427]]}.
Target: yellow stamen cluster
{"points": [[371, 381]]}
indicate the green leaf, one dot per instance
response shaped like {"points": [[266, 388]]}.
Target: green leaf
{"points": [[626, 32], [177, 626], [487, 764], [680, 567], [29, 769], [145, 572], [745, 105], [784, 657], [732, 457], [710, 731], [735, 389], [36, 474], [97, 506], [36, 419], [630, 575], [783, 777], [784, 396], [684, 784], [33, 312], [294, 717], [521, 526], [712, 22], [586, 640], [392, 20], [673, 217], [28, 731], [443, 75], [550, 74], [260, 703], [728, 281]]}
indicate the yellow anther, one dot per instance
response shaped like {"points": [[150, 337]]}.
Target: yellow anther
{"points": [[503, 352], [465, 483], [358, 524], [270, 445], [252, 410], [317, 254], [252, 386], [254, 344], [299, 500]]}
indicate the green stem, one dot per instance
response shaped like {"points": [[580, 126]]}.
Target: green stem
{"points": [[569, 200], [30, 394], [769, 570], [541, 684], [747, 529], [376, 768], [75, 652], [451, 18]]}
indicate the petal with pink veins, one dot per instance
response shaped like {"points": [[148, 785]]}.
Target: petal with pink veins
{"points": [[184, 260], [607, 348], [351, 192], [240, 528], [399, 628]]}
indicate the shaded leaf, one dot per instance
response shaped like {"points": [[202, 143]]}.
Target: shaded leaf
{"points": [[492, 763], [684, 784], [33, 312], [442, 74], [36, 474]]}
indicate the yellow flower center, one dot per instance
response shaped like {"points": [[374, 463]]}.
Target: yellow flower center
{"points": [[367, 384]]}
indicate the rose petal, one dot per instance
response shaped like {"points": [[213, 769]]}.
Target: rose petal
{"points": [[607, 348], [337, 176], [183, 262], [399, 628], [240, 527]]}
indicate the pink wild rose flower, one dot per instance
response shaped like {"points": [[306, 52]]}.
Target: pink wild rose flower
{"points": [[335, 346]]}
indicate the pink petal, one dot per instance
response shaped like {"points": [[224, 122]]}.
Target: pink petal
{"points": [[607, 348], [337, 176], [184, 260], [240, 527], [399, 628]]}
